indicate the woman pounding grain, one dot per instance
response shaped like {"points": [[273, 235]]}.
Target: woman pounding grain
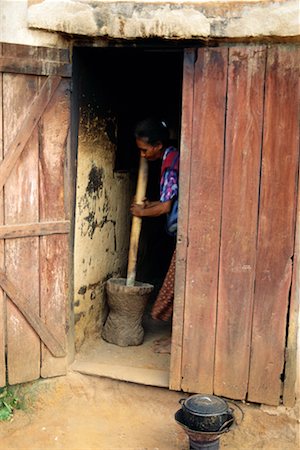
{"points": [[152, 138]]}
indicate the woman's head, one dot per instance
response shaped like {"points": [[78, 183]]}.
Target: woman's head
{"points": [[151, 138]]}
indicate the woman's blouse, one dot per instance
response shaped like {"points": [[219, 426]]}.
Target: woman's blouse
{"points": [[169, 175]]}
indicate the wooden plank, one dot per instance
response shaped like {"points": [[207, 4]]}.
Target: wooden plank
{"points": [[276, 224], [23, 305], [19, 51], [53, 54], [2, 295], [239, 219], [34, 229], [292, 358], [136, 223], [70, 206], [34, 112], [204, 220], [54, 250], [21, 255], [30, 66], [181, 249]]}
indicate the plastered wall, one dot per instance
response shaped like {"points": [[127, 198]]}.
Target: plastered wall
{"points": [[102, 224], [14, 28]]}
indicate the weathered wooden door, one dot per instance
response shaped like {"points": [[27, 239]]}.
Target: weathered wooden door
{"points": [[239, 175], [34, 213]]}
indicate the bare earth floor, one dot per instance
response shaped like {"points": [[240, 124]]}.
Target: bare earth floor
{"points": [[82, 412], [139, 364]]}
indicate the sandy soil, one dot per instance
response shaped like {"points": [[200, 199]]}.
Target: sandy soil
{"points": [[80, 412]]}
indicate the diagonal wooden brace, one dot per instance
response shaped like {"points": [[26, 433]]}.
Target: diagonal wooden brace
{"points": [[22, 303], [36, 110]]}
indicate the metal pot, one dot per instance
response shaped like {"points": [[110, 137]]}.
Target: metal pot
{"points": [[206, 413]]}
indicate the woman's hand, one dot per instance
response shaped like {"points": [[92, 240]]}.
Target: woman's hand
{"points": [[146, 203], [137, 210], [151, 209]]}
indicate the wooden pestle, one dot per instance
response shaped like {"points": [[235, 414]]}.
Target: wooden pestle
{"points": [[137, 222]]}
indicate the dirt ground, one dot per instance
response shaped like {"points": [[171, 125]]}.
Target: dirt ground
{"points": [[81, 412]]}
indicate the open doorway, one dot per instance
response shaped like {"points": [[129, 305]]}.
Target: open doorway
{"points": [[115, 88]]}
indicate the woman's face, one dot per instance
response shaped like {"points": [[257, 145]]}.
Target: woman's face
{"points": [[148, 151]]}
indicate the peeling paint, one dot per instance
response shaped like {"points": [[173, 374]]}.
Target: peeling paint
{"points": [[102, 220]]}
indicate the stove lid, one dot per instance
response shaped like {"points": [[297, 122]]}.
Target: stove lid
{"points": [[206, 405]]}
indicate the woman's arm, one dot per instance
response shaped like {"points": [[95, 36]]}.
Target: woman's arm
{"points": [[151, 209]]}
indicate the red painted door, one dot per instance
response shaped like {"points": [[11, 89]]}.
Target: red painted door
{"points": [[34, 213], [238, 192]]}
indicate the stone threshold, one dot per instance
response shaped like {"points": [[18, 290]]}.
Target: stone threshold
{"points": [[139, 375]]}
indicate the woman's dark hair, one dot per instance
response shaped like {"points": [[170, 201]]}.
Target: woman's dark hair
{"points": [[152, 131]]}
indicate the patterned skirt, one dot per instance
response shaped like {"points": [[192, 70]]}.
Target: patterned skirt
{"points": [[163, 305]]}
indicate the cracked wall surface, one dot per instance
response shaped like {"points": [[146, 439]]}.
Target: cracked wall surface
{"points": [[102, 223]]}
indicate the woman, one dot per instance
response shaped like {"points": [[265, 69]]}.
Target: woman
{"points": [[152, 138]]}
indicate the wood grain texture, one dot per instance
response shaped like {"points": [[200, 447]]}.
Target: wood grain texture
{"points": [[182, 243], [136, 224], [30, 66], [244, 124], [70, 178], [36, 128], [22, 303], [25, 127], [206, 178], [36, 53], [34, 229], [2, 295], [276, 224], [21, 255], [54, 250], [292, 355]]}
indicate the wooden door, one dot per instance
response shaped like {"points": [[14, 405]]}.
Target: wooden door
{"points": [[239, 172], [35, 212]]}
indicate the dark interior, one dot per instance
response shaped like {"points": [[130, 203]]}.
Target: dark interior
{"points": [[125, 85]]}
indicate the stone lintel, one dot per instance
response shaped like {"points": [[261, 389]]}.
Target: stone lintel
{"points": [[167, 19]]}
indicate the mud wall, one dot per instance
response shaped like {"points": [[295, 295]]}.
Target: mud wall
{"points": [[102, 223]]}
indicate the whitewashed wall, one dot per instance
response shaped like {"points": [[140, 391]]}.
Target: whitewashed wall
{"points": [[14, 28]]}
